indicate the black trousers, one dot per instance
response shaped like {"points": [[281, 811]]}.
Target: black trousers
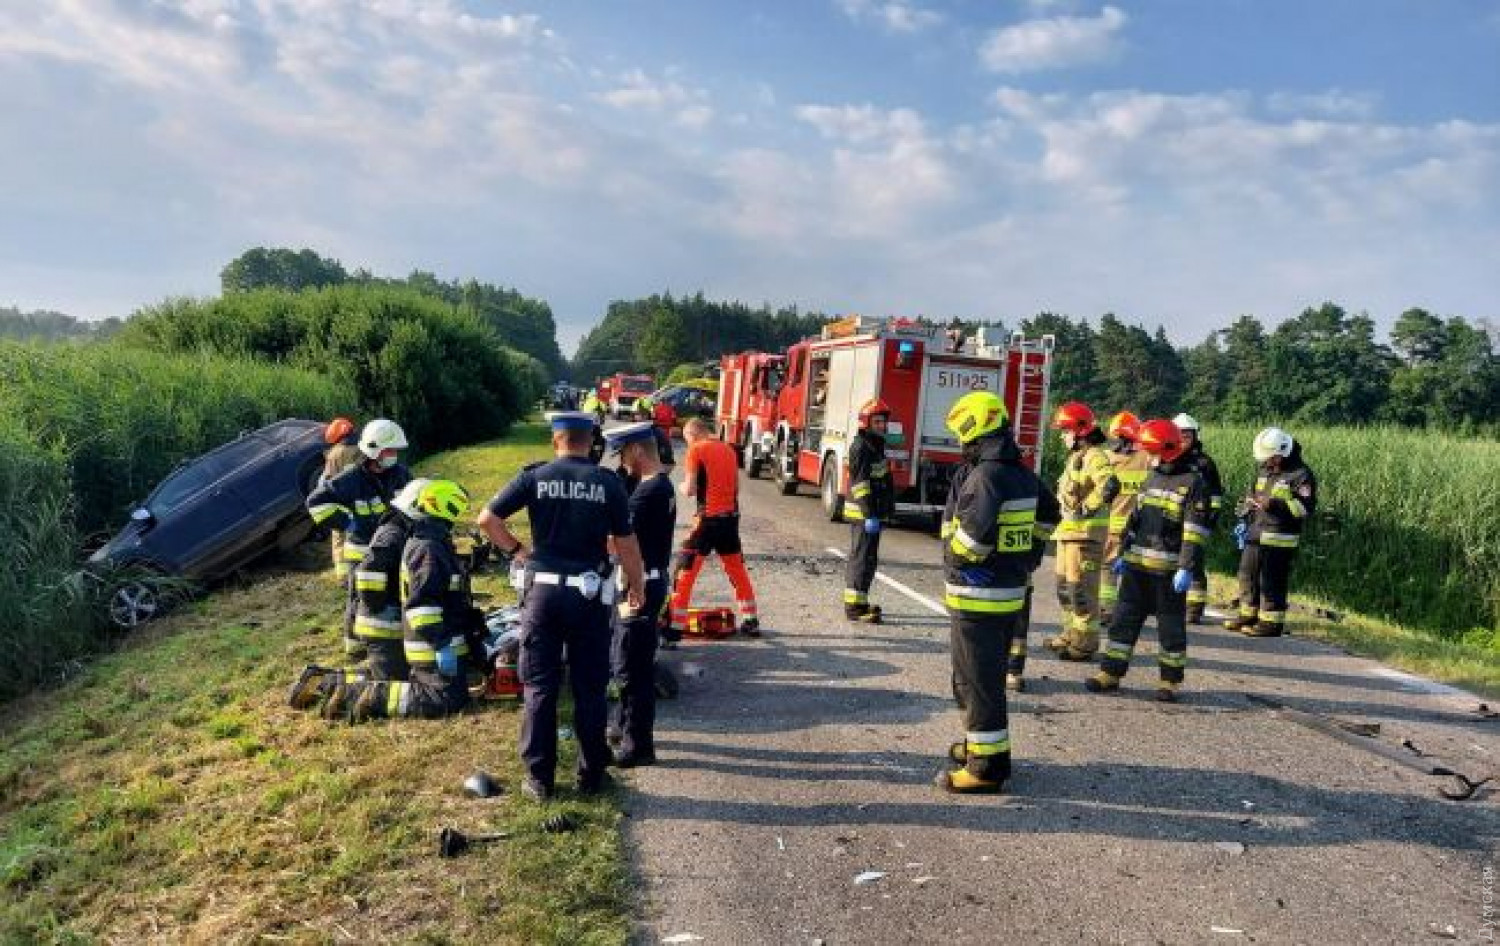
{"points": [[1143, 594], [1265, 579], [980, 643], [387, 659], [1015, 659], [859, 571], [425, 694], [634, 660], [555, 617]]}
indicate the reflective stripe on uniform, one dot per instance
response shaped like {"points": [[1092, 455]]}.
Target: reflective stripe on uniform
{"points": [[1298, 510], [1272, 617], [1121, 652], [851, 596], [322, 512], [1279, 540], [984, 600], [948, 527], [987, 743], [967, 547], [424, 616], [421, 652], [377, 628], [1151, 559], [355, 553], [860, 490], [1168, 658], [395, 698], [1193, 532], [852, 514], [371, 581]]}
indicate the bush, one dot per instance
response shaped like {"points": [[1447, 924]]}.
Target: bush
{"points": [[436, 370]]}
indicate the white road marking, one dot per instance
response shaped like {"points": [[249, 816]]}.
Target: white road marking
{"points": [[914, 595], [1414, 684]]}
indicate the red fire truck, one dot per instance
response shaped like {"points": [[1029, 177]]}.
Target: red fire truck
{"points": [[625, 390], [920, 371], [746, 413]]}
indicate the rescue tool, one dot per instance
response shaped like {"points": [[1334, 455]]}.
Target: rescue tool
{"points": [[1463, 788]]}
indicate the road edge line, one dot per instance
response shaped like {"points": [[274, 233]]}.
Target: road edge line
{"points": [[914, 595]]}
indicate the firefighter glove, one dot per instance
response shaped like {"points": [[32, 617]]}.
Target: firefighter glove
{"points": [[977, 577], [1182, 580], [872, 526], [447, 661], [1117, 567], [1241, 536]]}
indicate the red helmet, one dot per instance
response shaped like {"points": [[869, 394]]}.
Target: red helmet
{"points": [[870, 408], [1074, 417], [338, 429], [1123, 426], [1161, 438]]}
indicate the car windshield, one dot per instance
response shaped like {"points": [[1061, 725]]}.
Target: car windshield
{"points": [[202, 473]]}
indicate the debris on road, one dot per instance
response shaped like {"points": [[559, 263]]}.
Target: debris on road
{"points": [[1229, 847], [869, 877], [481, 785], [1443, 932], [675, 939], [1226, 929]]}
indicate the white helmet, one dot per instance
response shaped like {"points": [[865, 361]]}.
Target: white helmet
{"points": [[406, 500], [1271, 442], [1185, 422], [381, 434]]}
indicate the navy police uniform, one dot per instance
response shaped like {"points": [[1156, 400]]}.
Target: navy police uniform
{"points": [[653, 516], [573, 507]]}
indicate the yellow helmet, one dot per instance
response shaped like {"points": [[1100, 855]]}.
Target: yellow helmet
{"points": [[976, 414], [443, 499]]}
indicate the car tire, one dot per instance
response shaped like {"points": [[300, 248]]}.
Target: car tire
{"points": [[135, 601]]}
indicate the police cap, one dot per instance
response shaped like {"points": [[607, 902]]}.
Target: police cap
{"points": [[621, 437], [570, 420]]}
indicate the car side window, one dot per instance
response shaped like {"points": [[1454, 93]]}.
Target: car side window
{"points": [[202, 474]]}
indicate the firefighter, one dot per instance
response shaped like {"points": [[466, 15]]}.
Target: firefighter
{"points": [[1131, 465], [1085, 490], [575, 509], [593, 404], [377, 616], [437, 613], [653, 516], [992, 524], [353, 502], [1164, 542], [1272, 517], [712, 475], [868, 507], [342, 453], [1197, 596]]}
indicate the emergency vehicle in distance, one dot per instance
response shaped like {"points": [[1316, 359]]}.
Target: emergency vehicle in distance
{"points": [[919, 370], [746, 413], [625, 390]]}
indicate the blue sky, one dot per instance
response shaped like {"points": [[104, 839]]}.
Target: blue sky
{"points": [[1177, 162]]}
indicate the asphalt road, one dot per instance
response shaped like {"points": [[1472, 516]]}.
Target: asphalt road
{"points": [[794, 764]]}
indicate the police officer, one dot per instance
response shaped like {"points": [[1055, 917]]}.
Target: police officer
{"points": [[574, 508], [869, 505], [1164, 542], [1275, 515], [1131, 465], [377, 616], [437, 615], [1197, 596], [354, 501], [653, 515], [992, 524]]}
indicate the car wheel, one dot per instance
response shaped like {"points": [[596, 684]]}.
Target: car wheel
{"points": [[133, 603]]}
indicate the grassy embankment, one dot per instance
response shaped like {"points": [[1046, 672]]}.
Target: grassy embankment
{"points": [[169, 794]]}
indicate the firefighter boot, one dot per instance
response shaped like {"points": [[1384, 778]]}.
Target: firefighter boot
{"points": [[1166, 691], [862, 613], [309, 688], [979, 775], [1195, 613], [1102, 682], [1244, 619], [1015, 683], [366, 700], [750, 627], [1264, 629], [338, 685]]}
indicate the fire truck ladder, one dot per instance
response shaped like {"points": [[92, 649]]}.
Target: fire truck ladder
{"points": [[1031, 391]]}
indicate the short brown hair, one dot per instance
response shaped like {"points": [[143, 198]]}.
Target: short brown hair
{"points": [[698, 427], [577, 438]]}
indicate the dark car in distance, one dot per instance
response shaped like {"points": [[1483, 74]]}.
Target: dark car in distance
{"points": [[212, 516]]}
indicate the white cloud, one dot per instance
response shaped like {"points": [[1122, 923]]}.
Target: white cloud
{"points": [[894, 16], [635, 90], [1053, 42], [1333, 103]]}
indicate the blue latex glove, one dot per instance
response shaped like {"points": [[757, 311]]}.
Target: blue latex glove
{"points": [[1182, 581], [977, 577], [1118, 566], [447, 661], [1241, 536], [872, 526]]}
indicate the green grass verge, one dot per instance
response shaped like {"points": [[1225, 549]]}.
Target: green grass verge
{"points": [[1471, 661], [169, 794]]}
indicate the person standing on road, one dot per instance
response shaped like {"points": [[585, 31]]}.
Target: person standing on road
{"points": [[354, 501], [653, 516], [342, 453], [575, 509], [1131, 466], [987, 561], [1273, 518], [436, 611], [377, 616], [868, 507], [1197, 596], [712, 475], [1087, 487], [1164, 542]]}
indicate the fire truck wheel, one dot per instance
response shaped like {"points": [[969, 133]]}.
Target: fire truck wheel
{"points": [[833, 503], [750, 457], [786, 484]]}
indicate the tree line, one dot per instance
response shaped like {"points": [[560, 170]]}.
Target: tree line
{"points": [[45, 325]]}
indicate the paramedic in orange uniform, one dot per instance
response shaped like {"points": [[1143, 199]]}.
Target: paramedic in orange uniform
{"points": [[711, 473]]}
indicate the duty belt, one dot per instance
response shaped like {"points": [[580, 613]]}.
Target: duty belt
{"points": [[589, 584]]}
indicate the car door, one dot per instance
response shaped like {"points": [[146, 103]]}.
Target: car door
{"points": [[268, 486], [198, 522]]}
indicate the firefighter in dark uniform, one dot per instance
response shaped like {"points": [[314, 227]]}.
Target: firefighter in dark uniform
{"points": [[436, 616], [377, 616], [653, 515], [354, 501], [1197, 596], [1164, 541], [1274, 516], [987, 563], [870, 504], [574, 508]]}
